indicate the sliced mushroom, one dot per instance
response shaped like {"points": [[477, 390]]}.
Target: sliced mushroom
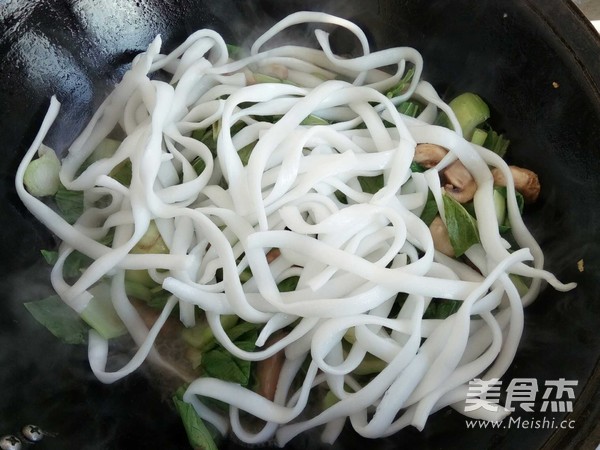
{"points": [[456, 179], [526, 182], [428, 155], [441, 239], [273, 254], [459, 183], [268, 370]]}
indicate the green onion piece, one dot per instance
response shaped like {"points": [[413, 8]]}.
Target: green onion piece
{"points": [[479, 136], [410, 108], [403, 85], [496, 143], [41, 175]]}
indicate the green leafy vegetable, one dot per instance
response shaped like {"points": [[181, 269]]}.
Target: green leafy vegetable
{"points": [[122, 172], [221, 364], [371, 185], [416, 167], [369, 365], [197, 432], [59, 319], [462, 227], [50, 256], [311, 119], [244, 153], [288, 285], [69, 203], [235, 51], [244, 331], [105, 149], [430, 210], [341, 197], [74, 263], [329, 400], [520, 283], [159, 298], [142, 277], [245, 275], [440, 308], [199, 165], [138, 290]]}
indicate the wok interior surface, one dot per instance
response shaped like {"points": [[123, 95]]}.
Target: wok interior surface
{"points": [[535, 62]]}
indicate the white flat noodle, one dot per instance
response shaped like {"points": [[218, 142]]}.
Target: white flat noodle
{"points": [[366, 265]]}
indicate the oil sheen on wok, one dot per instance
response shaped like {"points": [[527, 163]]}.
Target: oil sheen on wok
{"points": [[313, 229]]}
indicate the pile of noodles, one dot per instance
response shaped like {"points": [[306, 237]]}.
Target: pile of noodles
{"points": [[352, 258]]}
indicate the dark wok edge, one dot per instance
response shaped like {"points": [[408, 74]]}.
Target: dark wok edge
{"points": [[586, 411]]}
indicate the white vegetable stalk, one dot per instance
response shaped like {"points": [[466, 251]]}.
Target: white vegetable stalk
{"points": [[41, 176]]}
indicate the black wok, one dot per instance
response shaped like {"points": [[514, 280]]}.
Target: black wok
{"points": [[537, 63]]}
